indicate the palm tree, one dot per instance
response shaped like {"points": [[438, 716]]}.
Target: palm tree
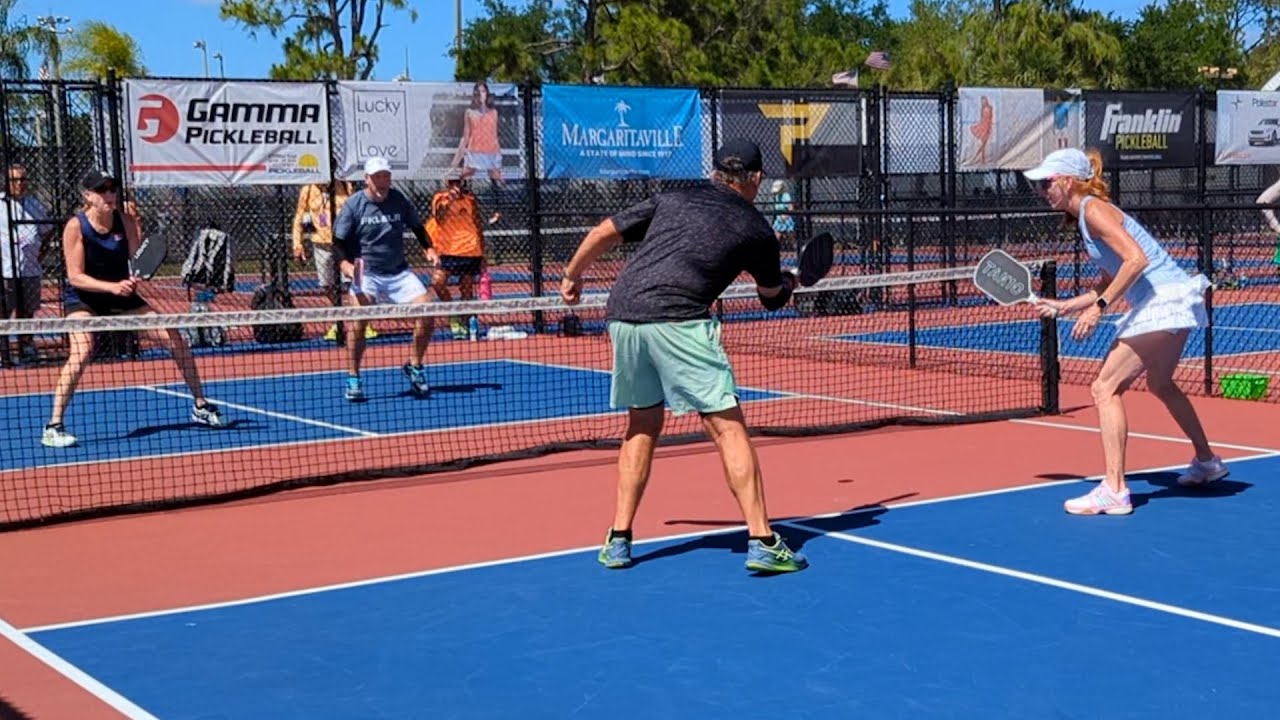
{"points": [[98, 46], [15, 42]]}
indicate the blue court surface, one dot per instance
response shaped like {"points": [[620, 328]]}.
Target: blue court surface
{"points": [[992, 606], [1238, 330], [136, 422]]}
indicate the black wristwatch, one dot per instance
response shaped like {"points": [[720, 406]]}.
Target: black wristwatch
{"points": [[1101, 303]]}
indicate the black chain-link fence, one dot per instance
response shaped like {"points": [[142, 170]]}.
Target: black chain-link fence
{"points": [[878, 168]]}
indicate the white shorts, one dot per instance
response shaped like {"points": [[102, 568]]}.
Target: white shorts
{"points": [[484, 161], [399, 289], [1173, 307]]}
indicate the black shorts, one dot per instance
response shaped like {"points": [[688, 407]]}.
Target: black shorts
{"points": [[460, 265], [21, 294], [100, 304]]}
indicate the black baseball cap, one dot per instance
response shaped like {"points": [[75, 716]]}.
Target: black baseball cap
{"points": [[739, 154], [96, 180]]}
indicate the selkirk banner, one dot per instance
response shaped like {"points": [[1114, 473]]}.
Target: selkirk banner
{"points": [[621, 132], [1248, 128], [1141, 130], [430, 131], [205, 132]]}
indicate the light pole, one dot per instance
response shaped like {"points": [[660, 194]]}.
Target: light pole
{"points": [[52, 24], [204, 50], [222, 72], [457, 36]]}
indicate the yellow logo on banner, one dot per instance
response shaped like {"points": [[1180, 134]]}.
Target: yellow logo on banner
{"points": [[800, 121]]}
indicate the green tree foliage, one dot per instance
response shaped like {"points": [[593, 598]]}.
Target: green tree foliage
{"points": [[328, 38], [1169, 44], [19, 37], [98, 46], [790, 43], [1050, 43]]}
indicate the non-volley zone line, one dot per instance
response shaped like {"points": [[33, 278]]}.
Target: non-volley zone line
{"points": [[492, 416]]}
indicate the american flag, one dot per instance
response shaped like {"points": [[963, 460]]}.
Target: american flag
{"points": [[848, 77], [44, 71], [878, 60]]}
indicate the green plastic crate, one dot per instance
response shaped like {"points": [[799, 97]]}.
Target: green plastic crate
{"points": [[1244, 386]]}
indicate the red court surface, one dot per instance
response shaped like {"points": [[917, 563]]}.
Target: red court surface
{"points": [[317, 537]]}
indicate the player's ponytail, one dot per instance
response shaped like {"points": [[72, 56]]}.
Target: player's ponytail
{"points": [[1096, 185]]}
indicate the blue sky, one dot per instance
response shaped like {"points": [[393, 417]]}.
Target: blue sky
{"points": [[166, 30]]}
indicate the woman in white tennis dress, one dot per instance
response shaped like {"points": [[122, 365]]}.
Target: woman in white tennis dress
{"points": [[1165, 303]]}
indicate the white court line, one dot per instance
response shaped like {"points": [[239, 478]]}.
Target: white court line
{"points": [[1049, 581], [269, 413], [361, 434], [1144, 436], [261, 376], [573, 551], [86, 681]]}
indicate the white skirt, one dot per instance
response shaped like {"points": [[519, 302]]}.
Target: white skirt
{"points": [[1172, 307]]}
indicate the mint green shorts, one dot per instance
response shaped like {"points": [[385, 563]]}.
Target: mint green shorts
{"points": [[680, 362]]}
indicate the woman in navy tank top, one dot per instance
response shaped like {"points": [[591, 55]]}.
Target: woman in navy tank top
{"points": [[1165, 304], [96, 245]]}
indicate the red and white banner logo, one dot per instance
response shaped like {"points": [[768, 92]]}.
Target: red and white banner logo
{"points": [[227, 133]]}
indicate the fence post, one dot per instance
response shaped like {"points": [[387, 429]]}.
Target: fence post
{"points": [[535, 203], [11, 237], [1206, 233], [948, 169]]}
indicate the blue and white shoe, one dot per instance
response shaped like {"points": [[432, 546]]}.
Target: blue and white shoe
{"points": [[616, 552], [417, 379], [775, 558], [206, 414], [355, 389]]}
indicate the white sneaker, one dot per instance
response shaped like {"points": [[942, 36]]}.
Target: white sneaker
{"points": [[1203, 473], [56, 436]]}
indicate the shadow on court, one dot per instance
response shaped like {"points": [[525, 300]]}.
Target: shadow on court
{"points": [[1167, 482], [1169, 488], [149, 430], [851, 520]]}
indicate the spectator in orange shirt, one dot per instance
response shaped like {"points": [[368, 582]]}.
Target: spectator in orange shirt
{"points": [[458, 237]]}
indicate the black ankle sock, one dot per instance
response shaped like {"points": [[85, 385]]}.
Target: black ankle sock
{"points": [[623, 534], [768, 540]]}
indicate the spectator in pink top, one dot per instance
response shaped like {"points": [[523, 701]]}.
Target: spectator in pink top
{"points": [[479, 148]]}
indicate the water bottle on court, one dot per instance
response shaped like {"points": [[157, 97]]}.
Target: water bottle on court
{"points": [[486, 285], [473, 328]]}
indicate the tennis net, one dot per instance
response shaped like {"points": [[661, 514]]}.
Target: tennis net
{"points": [[853, 352]]}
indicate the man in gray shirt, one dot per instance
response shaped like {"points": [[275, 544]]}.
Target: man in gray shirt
{"points": [[24, 227], [692, 243], [368, 236]]}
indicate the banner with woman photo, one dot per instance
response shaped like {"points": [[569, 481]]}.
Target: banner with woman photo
{"points": [[429, 131], [1013, 129]]}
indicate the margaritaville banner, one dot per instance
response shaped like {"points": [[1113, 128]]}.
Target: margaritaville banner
{"points": [[621, 132]]}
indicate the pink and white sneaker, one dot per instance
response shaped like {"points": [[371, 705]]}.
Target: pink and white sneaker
{"points": [[1100, 500], [1203, 473]]}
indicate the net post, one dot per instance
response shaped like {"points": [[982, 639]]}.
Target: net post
{"points": [[911, 292], [1050, 371]]}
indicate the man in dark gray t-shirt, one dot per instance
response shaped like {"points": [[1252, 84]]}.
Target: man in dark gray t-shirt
{"points": [[691, 244], [368, 236]]}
